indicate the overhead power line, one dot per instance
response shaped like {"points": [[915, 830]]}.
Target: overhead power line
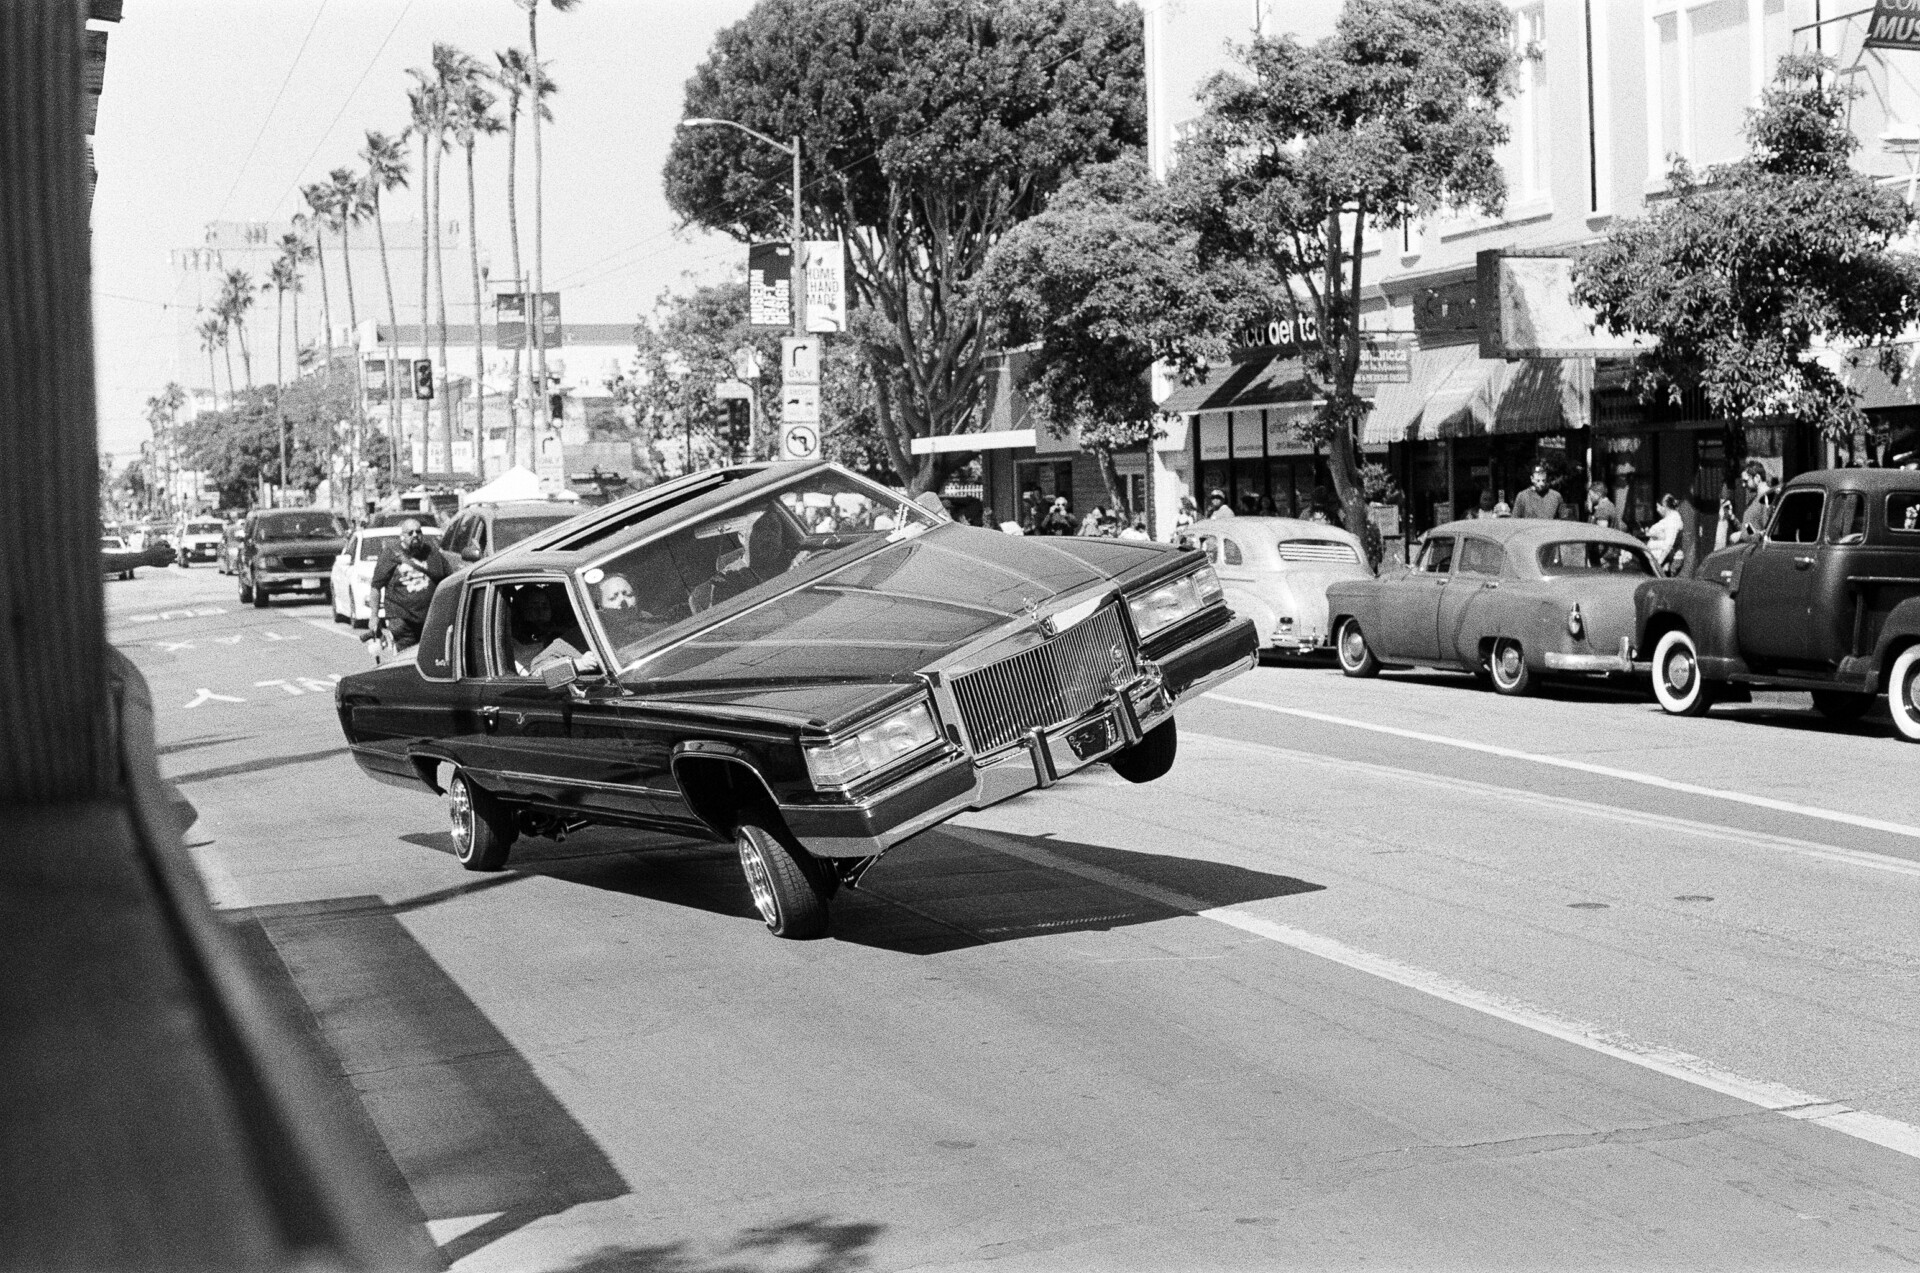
{"points": [[351, 94], [284, 81]]}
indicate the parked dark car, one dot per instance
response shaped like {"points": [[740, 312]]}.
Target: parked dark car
{"points": [[1827, 601], [792, 659], [1509, 599], [288, 550], [481, 530], [230, 541]]}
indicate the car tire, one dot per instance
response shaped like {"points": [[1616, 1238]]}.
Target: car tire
{"points": [[1903, 693], [483, 832], [353, 611], [246, 592], [260, 598], [1149, 758], [334, 602], [785, 893], [1507, 668], [1841, 706], [1356, 656], [1678, 686]]}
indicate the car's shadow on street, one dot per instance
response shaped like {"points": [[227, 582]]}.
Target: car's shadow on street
{"points": [[817, 1244], [936, 893], [1552, 689], [1801, 717]]}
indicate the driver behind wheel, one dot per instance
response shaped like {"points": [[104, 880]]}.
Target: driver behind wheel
{"points": [[764, 554], [541, 637]]}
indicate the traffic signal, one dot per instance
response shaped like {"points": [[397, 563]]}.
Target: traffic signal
{"points": [[739, 425], [422, 378], [557, 405]]}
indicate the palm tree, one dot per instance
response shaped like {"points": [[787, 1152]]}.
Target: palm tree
{"points": [[536, 312], [213, 336], [471, 119], [350, 204], [319, 197], [283, 277], [425, 109], [453, 72], [386, 160], [236, 298], [296, 251], [515, 77]]}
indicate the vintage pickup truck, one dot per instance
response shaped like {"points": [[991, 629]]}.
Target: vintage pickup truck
{"points": [[1827, 601]]}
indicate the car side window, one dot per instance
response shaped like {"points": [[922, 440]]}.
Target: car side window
{"points": [[534, 626], [1436, 558], [1231, 552], [1903, 512], [1847, 522], [480, 535], [1210, 545], [456, 537], [474, 641], [1479, 557], [1797, 520]]}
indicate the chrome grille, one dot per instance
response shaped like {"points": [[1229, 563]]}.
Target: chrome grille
{"points": [[1048, 684]]}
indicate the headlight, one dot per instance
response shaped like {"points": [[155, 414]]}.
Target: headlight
{"points": [[267, 563], [1174, 600], [846, 762]]}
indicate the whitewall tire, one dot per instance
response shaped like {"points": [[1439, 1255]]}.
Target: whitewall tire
{"points": [[1903, 693], [1677, 683]]}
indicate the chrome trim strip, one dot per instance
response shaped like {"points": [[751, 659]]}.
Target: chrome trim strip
{"points": [[515, 775], [1557, 662]]}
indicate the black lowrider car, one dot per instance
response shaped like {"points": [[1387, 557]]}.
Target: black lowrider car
{"points": [[789, 658]]}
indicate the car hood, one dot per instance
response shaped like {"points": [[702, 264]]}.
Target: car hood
{"points": [[301, 547], [888, 614]]}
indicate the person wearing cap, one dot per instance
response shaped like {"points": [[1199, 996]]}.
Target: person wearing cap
{"points": [[1217, 505]]}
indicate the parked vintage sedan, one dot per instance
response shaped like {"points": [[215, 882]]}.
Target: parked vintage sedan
{"points": [[1510, 599], [792, 659], [1276, 570]]}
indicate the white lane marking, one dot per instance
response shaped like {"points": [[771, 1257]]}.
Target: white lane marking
{"points": [[235, 639], [291, 689], [1570, 804], [277, 636], [335, 628], [1604, 771], [1889, 1133], [205, 696], [170, 647]]}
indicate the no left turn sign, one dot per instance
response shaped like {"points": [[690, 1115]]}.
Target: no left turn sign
{"points": [[799, 442]]}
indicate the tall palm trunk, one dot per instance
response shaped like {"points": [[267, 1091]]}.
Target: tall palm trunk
{"points": [[426, 264], [536, 310], [353, 322], [246, 355], [296, 327], [479, 330], [520, 282], [280, 376], [233, 390], [393, 339], [326, 304], [440, 311]]}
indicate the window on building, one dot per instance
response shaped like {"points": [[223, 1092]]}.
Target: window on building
{"points": [[1524, 157], [1670, 132], [1719, 83]]}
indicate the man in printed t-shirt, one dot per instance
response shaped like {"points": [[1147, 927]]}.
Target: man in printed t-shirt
{"points": [[404, 582]]}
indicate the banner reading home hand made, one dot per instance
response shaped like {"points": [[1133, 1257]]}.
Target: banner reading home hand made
{"points": [[1895, 25]]}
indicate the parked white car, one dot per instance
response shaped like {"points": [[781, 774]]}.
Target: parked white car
{"points": [[1275, 571], [353, 572]]}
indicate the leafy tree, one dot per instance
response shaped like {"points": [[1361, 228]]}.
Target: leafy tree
{"points": [[1751, 268], [240, 447], [928, 128], [1101, 285], [1293, 164]]}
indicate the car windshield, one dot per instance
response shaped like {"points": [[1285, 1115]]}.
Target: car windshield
{"points": [[205, 528], [112, 541], [300, 526], [1593, 556], [511, 530], [819, 519]]}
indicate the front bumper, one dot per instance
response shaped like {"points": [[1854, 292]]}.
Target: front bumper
{"points": [[314, 581], [1621, 661], [958, 782], [201, 552]]}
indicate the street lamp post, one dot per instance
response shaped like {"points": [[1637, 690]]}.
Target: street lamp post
{"points": [[797, 276]]}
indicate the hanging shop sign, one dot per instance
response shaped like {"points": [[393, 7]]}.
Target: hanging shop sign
{"points": [[1895, 25], [826, 286], [1384, 360], [770, 285]]}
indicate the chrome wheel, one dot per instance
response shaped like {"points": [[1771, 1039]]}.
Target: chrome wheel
{"points": [[460, 816], [753, 864], [1356, 658], [1903, 693], [1508, 667], [789, 888]]}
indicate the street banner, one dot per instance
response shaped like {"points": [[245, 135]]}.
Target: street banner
{"points": [[1895, 25], [826, 264], [1384, 360], [770, 285], [510, 321], [799, 360]]}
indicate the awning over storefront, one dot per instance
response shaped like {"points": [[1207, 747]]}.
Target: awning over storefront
{"points": [[1257, 382], [1453, 392]]}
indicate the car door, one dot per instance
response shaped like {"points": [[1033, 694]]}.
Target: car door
{"points": [[1467, 603], [1832, 597], [1772, 614], [1410, 604], [342, 574]]}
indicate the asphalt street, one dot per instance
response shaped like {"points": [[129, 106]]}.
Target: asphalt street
{"points": [[1394, 973]]}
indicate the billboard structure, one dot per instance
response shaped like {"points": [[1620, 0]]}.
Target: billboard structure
{"points": [[1528, 311]]}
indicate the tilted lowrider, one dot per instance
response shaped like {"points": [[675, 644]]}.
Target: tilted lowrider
{"points": [[1828, 600], [790, 658], [1510, 599]]}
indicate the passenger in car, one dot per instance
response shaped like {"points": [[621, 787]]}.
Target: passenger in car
{"points": [[540, 635]]}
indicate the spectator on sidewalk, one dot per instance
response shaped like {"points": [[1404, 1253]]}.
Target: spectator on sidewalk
{"points": [[1602, 511], [1759, 511], [1539, 500]]}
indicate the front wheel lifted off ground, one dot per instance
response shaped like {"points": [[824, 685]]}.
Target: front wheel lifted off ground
{"points": [[1149, 758], [1677, 682], [784, 889], [483, 831], [1356, 657]]}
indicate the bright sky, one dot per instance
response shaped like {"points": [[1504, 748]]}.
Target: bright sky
{"points": [[220, 109]]}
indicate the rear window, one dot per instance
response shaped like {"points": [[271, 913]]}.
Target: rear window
{"points": [[1317, 550], [1594, 556], [511, 530], [1903, 512]]}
